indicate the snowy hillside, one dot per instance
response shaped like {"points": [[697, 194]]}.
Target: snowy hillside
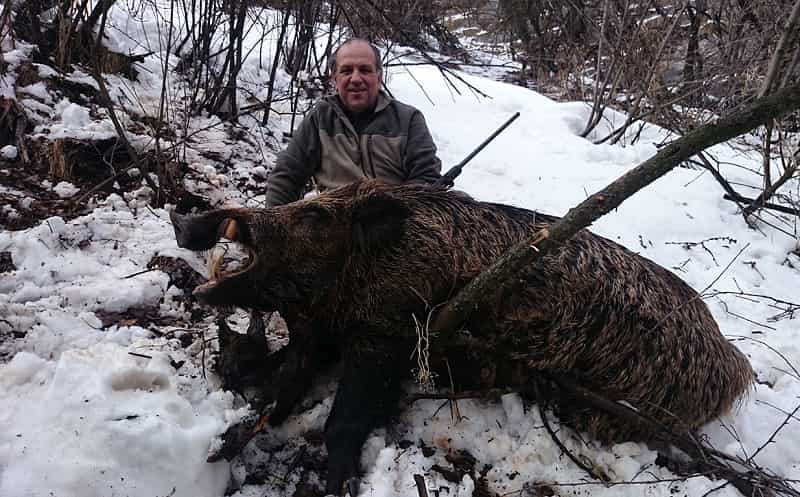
{"points": [[97, 402]]}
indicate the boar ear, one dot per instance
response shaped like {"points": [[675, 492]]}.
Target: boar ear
{"points": [[378, 221]]}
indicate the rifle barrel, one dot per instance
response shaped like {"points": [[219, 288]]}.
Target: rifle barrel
{"points": [[454, 171], [488, 140]]}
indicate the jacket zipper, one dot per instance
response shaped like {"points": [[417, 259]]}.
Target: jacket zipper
{"points": [[349, 127], [369, 156], [361, 157]]}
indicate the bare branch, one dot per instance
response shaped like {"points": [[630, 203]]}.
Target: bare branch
{"points": [[777, 57], [547, 240]]}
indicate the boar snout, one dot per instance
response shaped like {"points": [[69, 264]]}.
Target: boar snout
{"points": [[201, 232]]}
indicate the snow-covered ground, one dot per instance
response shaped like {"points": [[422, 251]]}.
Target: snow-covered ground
{"points": [[87, 410]]}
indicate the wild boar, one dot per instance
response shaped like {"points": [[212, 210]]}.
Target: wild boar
{"points": [[353, 268]]}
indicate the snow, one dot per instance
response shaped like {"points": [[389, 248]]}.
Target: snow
{"points": [[73, 115], [13, 55], [45, 71], [38, 90], [110, 415], [76, 122], [81, 416], [65, 189], [8, 152]]}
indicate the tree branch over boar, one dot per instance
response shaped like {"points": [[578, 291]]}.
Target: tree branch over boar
{"points": [[593, 208]]}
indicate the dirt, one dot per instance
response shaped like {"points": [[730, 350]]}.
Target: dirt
{"points": [[6, 263]]}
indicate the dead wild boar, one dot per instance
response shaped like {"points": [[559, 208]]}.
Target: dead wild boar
{"points": [[352, 268]]}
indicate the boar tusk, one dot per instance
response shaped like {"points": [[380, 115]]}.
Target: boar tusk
{"points": [[214, 263], [231, 230]]}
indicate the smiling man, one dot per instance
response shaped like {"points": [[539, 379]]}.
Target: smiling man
{"points": [[360, 132]]}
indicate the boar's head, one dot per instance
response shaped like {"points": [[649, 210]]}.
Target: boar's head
{"points": [[296, 252]]}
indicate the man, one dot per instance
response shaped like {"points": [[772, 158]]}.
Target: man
{"points": [[359, 132]]}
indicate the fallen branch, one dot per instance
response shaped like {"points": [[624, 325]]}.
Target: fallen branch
{"points": [[761, 205], [590, 469], [744, 475], [548, 240], [105, 99], [422, 490], [705, 163]]}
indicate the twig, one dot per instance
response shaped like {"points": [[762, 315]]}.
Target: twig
{"points": [[541, 404], [783, 411], [793, 236], [613, 483], [682, 265], [489, 393], [140, 272], [774, 434], [689, 245], [763, 205], [75, 203], [734, 435], [706, 164], [455, 414], [442, 69], [422, 490], [719, 487], [143, 356], [701, 294], [751, 321]]}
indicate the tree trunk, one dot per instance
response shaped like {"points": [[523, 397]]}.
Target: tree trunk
{"points": [[693, 65], [275, 61]]}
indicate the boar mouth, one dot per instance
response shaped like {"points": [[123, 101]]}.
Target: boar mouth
{"points": [[222, 268], [204, 232]]}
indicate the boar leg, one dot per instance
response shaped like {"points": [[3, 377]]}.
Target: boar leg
{"points": [[309, 352], [295, 374], [367, 395], [296, 367], [286, 386]]}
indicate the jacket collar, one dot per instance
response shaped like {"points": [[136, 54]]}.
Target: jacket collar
{"points": [[383, 101]]}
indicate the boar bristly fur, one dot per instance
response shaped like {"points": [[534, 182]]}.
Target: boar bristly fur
{"points": [[361, 262]]}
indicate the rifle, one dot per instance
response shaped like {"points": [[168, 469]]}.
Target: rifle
{"points": [[447, 179]]}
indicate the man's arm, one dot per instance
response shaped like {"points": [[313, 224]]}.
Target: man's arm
{"points": [[421, 163], [295, 164]]}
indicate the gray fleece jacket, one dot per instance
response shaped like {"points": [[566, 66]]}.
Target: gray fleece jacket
{"points": [[395, 146]]}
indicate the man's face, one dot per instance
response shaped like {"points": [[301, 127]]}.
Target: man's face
{"points": [[357, 79]]}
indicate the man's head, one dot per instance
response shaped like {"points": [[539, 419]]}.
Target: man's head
{"points": [[356, 72]]}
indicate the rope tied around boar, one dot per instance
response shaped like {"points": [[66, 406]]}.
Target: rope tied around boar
{"points": [[545, 303]]}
